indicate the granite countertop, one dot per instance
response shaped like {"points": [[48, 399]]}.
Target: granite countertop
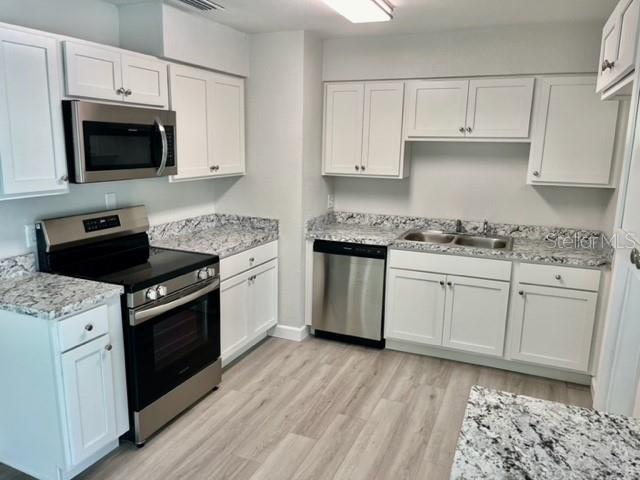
{"points": [[222, 235], [53, 297], [507, 436], [531, 244]]}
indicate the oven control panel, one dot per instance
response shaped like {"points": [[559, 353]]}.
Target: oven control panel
{"points": [[101, 223]]}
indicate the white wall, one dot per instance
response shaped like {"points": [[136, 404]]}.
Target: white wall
{"points": [[523, 49], [87, 19], [474, 181], [164, 201], [273, 184]]}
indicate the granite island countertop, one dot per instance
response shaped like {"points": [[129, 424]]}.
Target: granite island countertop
{"points": [[531, 243], [53, 297], [507, 436], [216, 234]]}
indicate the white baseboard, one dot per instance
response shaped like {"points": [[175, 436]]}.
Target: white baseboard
{"points": [[297, 334]]}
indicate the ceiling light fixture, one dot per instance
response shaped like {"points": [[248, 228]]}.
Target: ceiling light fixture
{"points": [[363, 11]]}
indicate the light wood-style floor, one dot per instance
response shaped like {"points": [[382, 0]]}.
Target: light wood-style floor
{"points": [[322, 410]]}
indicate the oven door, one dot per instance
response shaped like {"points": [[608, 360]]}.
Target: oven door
{"points": [[120, 143], [171, 341]]}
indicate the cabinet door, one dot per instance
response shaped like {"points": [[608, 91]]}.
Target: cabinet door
{"points": [[32, 153], [573, 134], [192, 102], [263, 288], [382, 146], [227, 125], [476, 315], [146, 79], [631, 210], [499, 108], [415, 306], [343, 127], [436, 108], [93, 72], [628, 21], [90, 402], [553, 326], [235, 311], [608, 51]]}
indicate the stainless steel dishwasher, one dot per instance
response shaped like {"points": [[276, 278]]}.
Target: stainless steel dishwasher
{"points": [[348, 292]]}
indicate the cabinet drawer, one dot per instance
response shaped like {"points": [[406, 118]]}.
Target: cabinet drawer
{"points": [[564, 277], [450, 264], [76, 330], [235, 264]]}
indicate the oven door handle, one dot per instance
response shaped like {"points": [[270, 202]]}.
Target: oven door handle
{"points": [[165, 146], [141, 316]]}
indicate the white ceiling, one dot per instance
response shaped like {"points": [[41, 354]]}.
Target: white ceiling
{"points": [[255, 16]]}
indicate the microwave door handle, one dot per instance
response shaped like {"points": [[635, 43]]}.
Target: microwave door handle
{"points": [[141, 316], [165, 146]]}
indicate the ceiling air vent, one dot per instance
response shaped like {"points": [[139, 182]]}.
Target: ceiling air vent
{"points": [[202, 5]]}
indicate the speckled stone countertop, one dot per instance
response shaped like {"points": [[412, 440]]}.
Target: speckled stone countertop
{"points": [[217, 234], [531, 243], [507, 436], [53, 297]]}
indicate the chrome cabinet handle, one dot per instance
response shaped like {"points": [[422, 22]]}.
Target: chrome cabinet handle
{"points": [[449, 284], [357, 168], [461, 129], [251, 260], [469, 129], [214, 168], [165, 147], [558, 277], [635, 257], [521, 292], [362, 168], [108, 347], [120, 91], [127, 92], [536, 173], [606, 65], [88, 327], [442, 282], [64, 178]]}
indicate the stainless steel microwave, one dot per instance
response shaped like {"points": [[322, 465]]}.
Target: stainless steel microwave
{"points": [[114, 142]]}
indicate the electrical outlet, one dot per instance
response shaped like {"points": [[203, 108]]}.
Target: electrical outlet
{"points": [[110, 201], [330, 201], [30, 235]]}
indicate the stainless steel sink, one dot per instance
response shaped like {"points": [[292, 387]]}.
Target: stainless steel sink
{"points": [[428, 236], [462, 240], [478, 241]]}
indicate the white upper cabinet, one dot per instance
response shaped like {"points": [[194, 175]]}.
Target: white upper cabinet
{"points": [[363, 129], [573, 135], [382, 133], [499, 108], [110, 74], [343, 127], [32, 152], [210, 115], [436, 108], [474, 109], [227, 123], [618, 48], [145, 81]]}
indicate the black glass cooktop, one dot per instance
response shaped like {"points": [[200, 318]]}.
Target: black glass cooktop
{"points": [[129, 262]]}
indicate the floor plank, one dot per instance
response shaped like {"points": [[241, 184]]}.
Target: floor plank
{"points": [[321, 410]]}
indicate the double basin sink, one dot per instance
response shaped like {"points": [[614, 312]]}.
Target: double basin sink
{"points": [[459, 239]]}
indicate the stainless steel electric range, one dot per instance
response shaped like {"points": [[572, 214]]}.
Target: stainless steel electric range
{"points": [[170, 308]]}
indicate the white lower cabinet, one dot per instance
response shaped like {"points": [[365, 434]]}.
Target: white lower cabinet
{"points": [[64, 399], [540, 322], [476, 315], [89, 393], [415, 306], [553, 326], [248, 302]]}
